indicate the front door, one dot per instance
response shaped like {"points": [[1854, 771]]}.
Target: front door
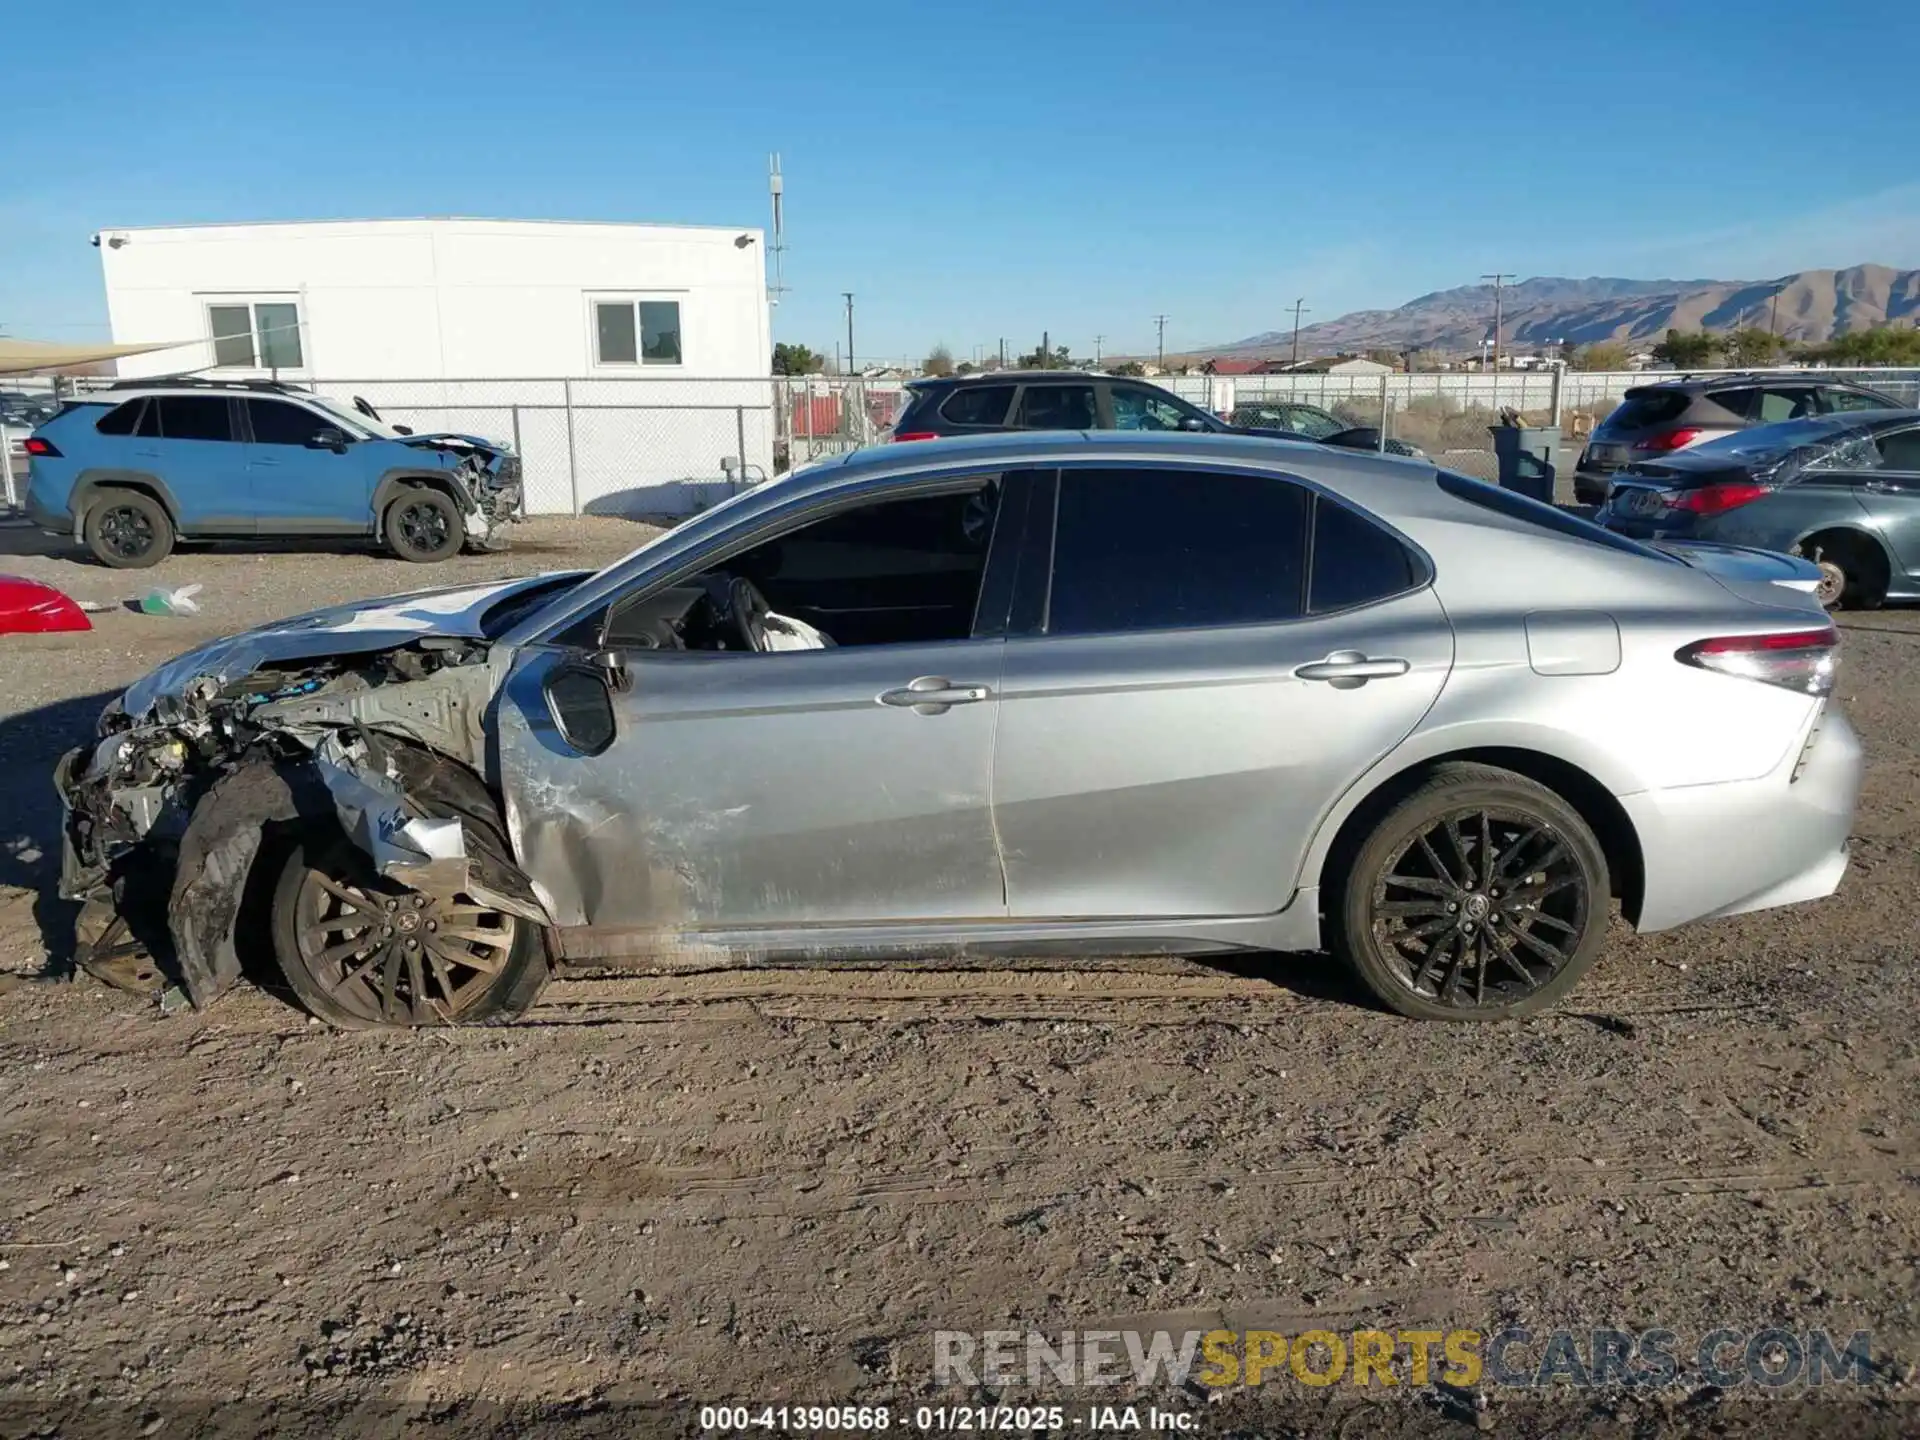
{"points": [[1192, 702], [782, 789], [298, 487], [1891, 494]]}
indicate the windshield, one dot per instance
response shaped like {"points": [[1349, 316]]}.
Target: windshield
{"points": [[353, 420]]}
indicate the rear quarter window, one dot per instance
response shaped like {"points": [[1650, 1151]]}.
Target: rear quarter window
{"points": [[977, 405], [122, 418]]}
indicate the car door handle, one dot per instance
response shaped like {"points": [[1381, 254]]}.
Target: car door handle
{"points": [[933, 695], [266, 462], [1349, 668]]}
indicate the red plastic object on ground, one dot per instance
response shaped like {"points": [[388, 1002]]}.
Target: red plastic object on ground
{"points": [[29, 608]]}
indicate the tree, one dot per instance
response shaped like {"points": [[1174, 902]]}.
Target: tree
{"points": [[938, 362], [796, 360], [1687, 351], [1392, 359], [1886, 345], [1127, 367], [965, 367], [1038, 359], [1753, 347], [1601, 355]]}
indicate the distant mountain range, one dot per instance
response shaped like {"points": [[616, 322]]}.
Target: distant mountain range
{"points": [[1813, 305]]}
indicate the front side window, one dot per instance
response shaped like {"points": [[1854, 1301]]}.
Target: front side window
{"points": [[1218, 550], [1841, 402], [277, 423], [1135, 408], [194, 417], [643, 332], [256, 335]]}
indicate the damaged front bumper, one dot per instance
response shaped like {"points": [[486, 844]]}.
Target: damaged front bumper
{"points": [[166, 819]]}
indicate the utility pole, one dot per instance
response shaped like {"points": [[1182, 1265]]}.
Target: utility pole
{"points": [[1499, 279], [1096, 350], [1299, 309], [1160, 322], [849, 297], [1773, 313], [1046, 350], [1003, 352]]}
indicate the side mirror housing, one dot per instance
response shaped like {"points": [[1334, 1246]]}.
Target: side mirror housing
{"points": [[580, 700], [328, 438], [1194, 422]]}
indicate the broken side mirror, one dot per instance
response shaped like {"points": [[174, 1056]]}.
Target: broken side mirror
{"points": [[580, 700]]}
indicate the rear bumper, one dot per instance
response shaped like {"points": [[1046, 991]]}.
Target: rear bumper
{"points": [[1713, 850], [58, 522]]}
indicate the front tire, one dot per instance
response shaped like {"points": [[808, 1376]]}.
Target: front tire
{"points": [[128, 530], [425, 526], [364, 952], [1480, 896]]}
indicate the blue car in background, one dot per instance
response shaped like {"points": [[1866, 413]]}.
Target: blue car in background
{"points": [[132, 468]]}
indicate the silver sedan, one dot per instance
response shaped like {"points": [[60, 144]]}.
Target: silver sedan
{"points": [[1021, 693]]}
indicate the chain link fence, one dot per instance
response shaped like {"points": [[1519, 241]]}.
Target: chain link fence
{"points": [[653, 446]]}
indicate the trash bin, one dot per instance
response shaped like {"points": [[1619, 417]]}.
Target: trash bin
{"points": [[1527, 457]]}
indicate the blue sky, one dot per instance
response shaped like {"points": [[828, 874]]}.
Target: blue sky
{"points": [[980, 169]]}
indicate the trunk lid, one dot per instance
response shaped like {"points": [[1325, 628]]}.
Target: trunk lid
{"points": [[1762, 576]]}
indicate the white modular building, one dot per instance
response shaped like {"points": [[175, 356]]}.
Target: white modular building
{"points": [[625, 362]]}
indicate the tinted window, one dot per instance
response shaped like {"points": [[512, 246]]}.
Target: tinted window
{"points": [[1547, 517], [277, 423], [977, 405], [149, 426], [1057, 407], [194, 417], [1136, 408], [1166, 549], [1738, 402], [1354, 560], [1900, 450], [121, 419], [1642, 408]]}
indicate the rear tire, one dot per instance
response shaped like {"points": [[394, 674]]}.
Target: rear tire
{"points": [[1482, 895], [424, 526], [128, 530]]}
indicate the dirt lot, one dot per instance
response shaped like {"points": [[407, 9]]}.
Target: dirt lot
{"points": [[775, 1185]]}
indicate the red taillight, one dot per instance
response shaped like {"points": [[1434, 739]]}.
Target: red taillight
{"points": [[906, 435], [36, 446], [1801, 660], [1672, 440], [1717, 499]]}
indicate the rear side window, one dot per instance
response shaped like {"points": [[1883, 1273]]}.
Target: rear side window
{"points": [[977, 405], [1779, 405], [1742, 403], [194, 417], [1172, 549], [1355, 562], [1643, 408], [121, 419], [1547, 517], [1057, 407]]}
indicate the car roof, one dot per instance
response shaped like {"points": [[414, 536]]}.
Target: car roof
{"points": [[1715, 379], [1023, 377]]}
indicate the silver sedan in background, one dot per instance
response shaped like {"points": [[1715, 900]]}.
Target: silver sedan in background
{"points": [[1020, 693]]}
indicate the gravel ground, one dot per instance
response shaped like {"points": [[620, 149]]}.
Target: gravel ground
{"points": [[776, 1184]]}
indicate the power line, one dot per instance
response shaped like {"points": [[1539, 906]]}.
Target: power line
{"points": [[1499, 279]]}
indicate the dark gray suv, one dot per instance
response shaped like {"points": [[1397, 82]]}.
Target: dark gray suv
{"points": [[1654, 421]]}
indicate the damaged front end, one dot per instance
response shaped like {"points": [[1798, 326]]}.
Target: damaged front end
{"points": [[170, 811], [489, 476]]}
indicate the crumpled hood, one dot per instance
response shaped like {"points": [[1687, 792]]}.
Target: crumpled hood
{"points": [[443, 439], [355, 628]]}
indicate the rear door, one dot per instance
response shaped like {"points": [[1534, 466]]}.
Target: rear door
{"points": [[1885, 478], [1056, 407], [299, 487], [1182, 700], [192, 443]]}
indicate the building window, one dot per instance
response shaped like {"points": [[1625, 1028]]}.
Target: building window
{"points": [[261, 335], [636, 332]]}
